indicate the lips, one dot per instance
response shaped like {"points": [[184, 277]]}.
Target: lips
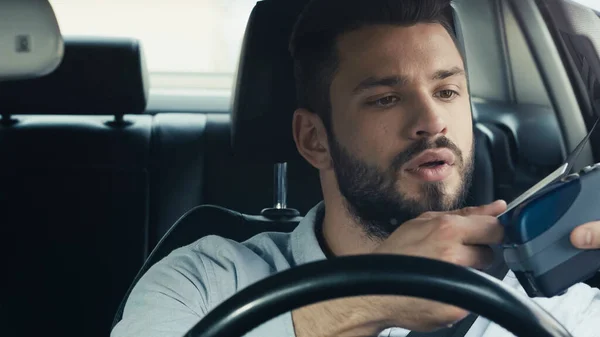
{"points": [[432, 158]]}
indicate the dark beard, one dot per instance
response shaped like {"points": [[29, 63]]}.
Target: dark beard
{"points": [[371, 195]]}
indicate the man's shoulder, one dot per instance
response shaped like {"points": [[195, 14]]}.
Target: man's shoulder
{"points": [[268, 246], [206, 272], [216, 257]]}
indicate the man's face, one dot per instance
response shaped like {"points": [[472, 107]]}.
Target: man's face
{"points": [[401, 140]]}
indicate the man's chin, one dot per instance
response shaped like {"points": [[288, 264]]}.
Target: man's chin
{"points": [[431, 196]]}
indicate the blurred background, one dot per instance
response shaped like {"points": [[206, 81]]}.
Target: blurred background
{"points": [[191, 46]]}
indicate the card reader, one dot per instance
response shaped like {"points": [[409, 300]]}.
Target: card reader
{"points": [[538, 225]]}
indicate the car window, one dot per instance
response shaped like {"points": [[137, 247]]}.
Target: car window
{"points": [[191, 47], [594, 4]]}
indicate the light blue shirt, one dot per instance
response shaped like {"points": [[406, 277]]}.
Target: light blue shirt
{"points": [[182, 288]]}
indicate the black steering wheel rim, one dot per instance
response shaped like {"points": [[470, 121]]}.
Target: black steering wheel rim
{"points": [[378, 275]]}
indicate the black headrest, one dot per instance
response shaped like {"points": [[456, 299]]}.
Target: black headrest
{"points": [[96, 77], [265, 94]]}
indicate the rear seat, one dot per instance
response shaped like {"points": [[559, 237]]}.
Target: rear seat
{"points": [[180, 146], [75, 195]]}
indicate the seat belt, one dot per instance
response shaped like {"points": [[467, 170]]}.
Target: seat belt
{"points": [[461, 328]]}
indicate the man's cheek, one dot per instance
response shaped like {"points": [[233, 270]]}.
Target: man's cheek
{"points": [[465, 143]]}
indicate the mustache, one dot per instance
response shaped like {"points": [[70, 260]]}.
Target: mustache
{"points": [[426, 144]]}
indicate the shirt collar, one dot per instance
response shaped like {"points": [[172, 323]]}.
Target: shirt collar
{"points": [[305, 245]]}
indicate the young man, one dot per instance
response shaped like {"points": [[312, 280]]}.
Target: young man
{"points": [[385, 117]]}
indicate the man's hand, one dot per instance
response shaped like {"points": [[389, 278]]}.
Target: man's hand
{"points": [[586, 236], [461, 237]]}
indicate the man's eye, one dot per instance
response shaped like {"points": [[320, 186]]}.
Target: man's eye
{"points": [[447, 94], [385, 101]]}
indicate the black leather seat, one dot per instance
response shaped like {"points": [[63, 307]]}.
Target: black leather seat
{"points": [[238, 167], [75, 190], [178, 155], [261, 122], [96, 77]]}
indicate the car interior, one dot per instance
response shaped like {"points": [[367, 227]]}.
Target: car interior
{"points": [[96, 187]]}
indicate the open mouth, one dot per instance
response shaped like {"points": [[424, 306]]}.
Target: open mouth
{"points": [[432, 159], [433, 164], [431, 169]]}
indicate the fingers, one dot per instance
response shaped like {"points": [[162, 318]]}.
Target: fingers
{"points": [[470, 226], [478, 257], [586, 236], [467, 230], [482, 230], [493, 209]]}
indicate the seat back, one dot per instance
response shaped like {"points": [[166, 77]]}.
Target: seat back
{"points": [[264, 101], [179, 149], [74, 196]]}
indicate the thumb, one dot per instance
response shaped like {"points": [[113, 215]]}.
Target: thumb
{"points": [[586, 236], [493, 209]]}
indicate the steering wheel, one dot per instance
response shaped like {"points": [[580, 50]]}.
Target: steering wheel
{"points": [[364, 275]]}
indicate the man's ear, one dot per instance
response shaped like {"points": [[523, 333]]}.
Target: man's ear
{"points": [[311, 138]]}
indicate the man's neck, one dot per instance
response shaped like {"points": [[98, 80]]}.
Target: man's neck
{"points": [[340, 234]]}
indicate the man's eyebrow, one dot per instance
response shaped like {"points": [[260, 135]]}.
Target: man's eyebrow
{"points": [[372, 82], [396, 80], [445, 73]]}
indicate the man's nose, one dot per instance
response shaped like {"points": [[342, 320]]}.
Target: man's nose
{"points": [[427, 121]]}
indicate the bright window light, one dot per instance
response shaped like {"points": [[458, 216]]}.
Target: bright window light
{"points": [[191, 47], [593, 4]]}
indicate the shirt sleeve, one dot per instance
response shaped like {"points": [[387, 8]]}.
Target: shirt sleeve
{"points": [[577, 310], [178, 291]]}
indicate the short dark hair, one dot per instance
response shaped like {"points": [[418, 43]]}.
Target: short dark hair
{"points": [[313, 40]]}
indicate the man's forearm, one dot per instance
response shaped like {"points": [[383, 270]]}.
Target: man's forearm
{"points": [[358, 316]]}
